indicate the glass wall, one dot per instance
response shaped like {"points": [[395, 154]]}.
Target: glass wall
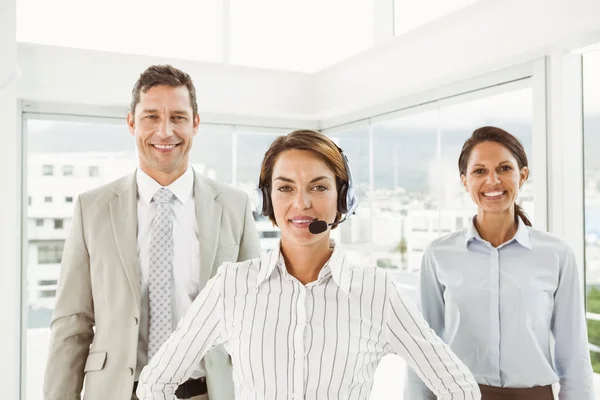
{"points": [[412, 193], [591, 129], [356, 233], [64, 158], [211, 152], [404, 170], [410, 187], [250, 148], [68, 157]]}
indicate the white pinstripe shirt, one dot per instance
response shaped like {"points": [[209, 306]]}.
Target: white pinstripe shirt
{"points": [[287, 340]]}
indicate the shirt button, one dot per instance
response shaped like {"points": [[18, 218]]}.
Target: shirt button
{"points": [[135, 321], [130, 371]]}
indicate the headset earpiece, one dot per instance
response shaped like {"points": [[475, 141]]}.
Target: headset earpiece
{"points": [[263, 201], [347, 201], [342, 198], [266, 208]]}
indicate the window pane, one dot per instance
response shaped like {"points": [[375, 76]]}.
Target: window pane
{"points": [[409, 15], [418, 195], [404, 193], [404, 209], [103, 152], [84, 147], [510, 111], [591, 150], [191, 31], [299, 35], [250, 149], [211, 153], [355, 234]]}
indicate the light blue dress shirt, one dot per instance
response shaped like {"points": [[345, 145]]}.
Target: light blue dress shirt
{"points": [[505, 310]]}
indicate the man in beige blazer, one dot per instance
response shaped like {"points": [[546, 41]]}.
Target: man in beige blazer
{"points": [[100, 326]]}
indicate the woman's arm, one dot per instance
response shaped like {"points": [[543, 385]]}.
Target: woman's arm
{"points": [[199, 331], [439, 369], [432, 307]]}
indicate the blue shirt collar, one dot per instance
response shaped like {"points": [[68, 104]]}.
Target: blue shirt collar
{"points": [[521, 236]]}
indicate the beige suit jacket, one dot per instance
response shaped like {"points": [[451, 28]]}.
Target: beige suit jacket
{"points": [[95, 326]]}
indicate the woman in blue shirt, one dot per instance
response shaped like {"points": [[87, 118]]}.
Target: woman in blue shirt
{"points": [[504, 295]]}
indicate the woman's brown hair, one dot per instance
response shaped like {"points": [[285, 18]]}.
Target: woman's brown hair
{"points": [[302, 139], [500, 136]]}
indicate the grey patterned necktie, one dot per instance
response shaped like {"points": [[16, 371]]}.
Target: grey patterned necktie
{"points": [[160, 274]]}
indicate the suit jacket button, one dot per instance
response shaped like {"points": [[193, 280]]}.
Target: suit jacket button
{"points": [[130, 371]]}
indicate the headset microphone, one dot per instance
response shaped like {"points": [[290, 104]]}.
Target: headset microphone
{"points": [[320, 226]]}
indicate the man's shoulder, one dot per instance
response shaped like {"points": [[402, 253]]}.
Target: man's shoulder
{"points": [[109, 190], [223, 192]]}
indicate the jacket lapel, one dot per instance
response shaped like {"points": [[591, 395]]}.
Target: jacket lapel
{"points": [[208, 217], [123, 216]]}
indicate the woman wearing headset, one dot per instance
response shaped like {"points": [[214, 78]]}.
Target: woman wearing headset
{"points": [[302, 323], [498, 290]]}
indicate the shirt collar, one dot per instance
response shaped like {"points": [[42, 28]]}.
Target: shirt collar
{"points": [[521, 236], [471, 232], [182, 188], [337, 263]]}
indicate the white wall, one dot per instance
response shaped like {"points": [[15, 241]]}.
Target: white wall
{"points": [[75, 76], [483, 37], [10, 236]]}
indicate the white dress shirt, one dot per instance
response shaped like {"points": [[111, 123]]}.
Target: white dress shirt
{"points": [[499, 307], [293, 341], [186, 252]]}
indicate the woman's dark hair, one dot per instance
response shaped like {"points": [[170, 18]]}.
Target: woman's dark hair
{"points": [[500, 136]]}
